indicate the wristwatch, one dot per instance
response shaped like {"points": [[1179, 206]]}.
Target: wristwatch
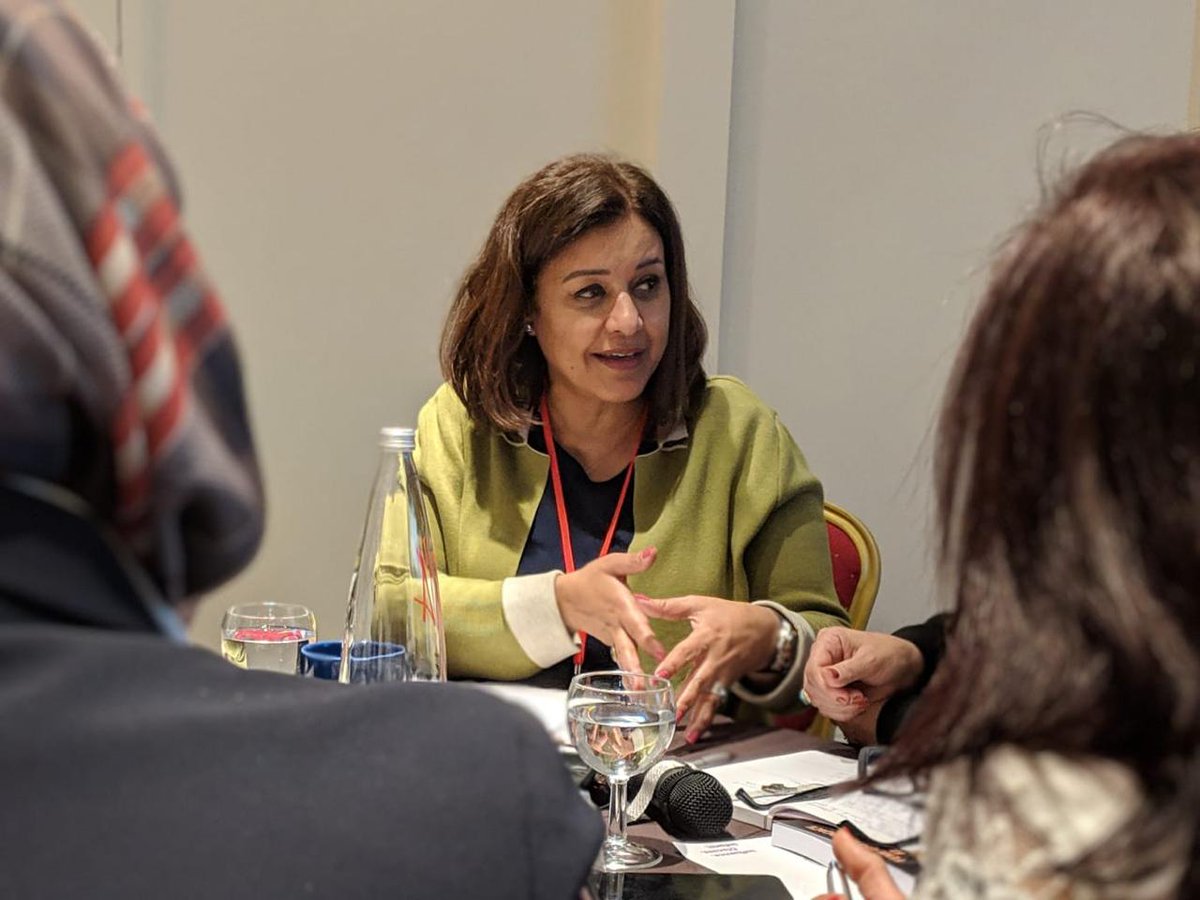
{"points": [[785, 646]]}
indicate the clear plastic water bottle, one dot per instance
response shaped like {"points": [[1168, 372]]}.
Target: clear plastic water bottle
{"points": [[394, 599]]}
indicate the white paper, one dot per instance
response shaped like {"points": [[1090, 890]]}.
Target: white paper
{"points": [[803, 878], [548, 705], [886, 819]]}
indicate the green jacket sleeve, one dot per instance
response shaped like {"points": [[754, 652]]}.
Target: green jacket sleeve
{"points": [[787, 560]]}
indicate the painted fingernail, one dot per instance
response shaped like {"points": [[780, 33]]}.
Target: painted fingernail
{"points": [[692, 737]]}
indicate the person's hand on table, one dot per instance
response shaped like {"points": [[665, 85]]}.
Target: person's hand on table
{"points": [[596, 600], [850, 673], [729, 639], [866, 869]]}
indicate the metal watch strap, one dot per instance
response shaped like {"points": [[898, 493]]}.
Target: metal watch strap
{"points": [[785, 646]]}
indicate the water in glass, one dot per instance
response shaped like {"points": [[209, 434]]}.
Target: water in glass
{"points": [[620, 740]]}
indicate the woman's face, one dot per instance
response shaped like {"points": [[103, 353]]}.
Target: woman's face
{"points": [[602, 313]]}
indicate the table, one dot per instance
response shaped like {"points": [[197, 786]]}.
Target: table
{"points": [[741, 741]]}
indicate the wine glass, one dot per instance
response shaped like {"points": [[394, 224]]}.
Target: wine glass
{"points": [[267, 636], [621, 724]]}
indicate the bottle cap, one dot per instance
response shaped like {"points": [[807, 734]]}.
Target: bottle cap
{"points": [[393, 438]]}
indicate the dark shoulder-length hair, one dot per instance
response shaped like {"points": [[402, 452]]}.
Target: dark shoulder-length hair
{"points": [[1068, 498], [496, 369]]}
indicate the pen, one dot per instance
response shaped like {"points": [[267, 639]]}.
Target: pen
{"points": [[709, 759], [830, 884]]}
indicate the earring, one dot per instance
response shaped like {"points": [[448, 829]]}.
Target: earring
{"points": [[529, 328]]}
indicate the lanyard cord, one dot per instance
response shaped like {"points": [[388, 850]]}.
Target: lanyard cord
{"points": [[564, 528]]}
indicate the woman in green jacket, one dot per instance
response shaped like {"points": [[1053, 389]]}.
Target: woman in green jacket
{"points": [[586, 476]]}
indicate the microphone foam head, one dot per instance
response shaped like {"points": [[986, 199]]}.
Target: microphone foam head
{"points": [[696, 804]]}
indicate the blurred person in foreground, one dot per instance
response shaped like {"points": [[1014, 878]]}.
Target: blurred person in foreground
{"points": [[135, 766], [587, 477], [1061, 727]]}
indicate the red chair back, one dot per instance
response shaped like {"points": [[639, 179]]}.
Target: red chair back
{"points": [[847, 564]]}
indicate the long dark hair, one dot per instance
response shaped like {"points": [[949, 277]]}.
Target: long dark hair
{"points": [[1068, 497], [495, 368]]}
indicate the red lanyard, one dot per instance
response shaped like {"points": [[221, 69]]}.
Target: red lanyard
{"points": [[564, 528]]}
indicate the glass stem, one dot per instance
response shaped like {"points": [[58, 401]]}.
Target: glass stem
{"points": [[616, 811]]}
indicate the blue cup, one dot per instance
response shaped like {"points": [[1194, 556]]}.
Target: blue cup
{"points": [[370, 661]]}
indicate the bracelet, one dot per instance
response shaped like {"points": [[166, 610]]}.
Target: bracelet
{"points": [[785, 646]]}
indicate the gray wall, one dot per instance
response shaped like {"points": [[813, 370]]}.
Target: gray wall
{"points": [[341, 163], [877, 153], [842, 170]]}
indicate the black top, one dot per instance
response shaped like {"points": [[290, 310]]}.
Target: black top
{"points": [[590, 505], [930, 638], [135, 767]]}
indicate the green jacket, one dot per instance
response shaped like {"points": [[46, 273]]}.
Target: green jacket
{"points": [[731, 507]]}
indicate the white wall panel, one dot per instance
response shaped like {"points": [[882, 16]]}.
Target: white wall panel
{"points": [[878, 152]]}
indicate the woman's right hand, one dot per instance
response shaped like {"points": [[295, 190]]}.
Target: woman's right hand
{"points": [[864, 867], [596, 600]]}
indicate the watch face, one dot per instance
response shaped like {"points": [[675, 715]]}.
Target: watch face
{"points": [[785, 646]]}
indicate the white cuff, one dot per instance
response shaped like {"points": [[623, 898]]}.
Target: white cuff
{"points": [[531, 612], [784, 693]]}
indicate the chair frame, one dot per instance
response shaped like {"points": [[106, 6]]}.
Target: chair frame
{"points": [[863, 601]]}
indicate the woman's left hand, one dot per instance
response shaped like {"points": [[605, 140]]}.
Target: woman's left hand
{"points": [[729, 639]]}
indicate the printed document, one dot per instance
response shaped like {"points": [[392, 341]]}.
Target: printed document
{"points": [[776, 777]]}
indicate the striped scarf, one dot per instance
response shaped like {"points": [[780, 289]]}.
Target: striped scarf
{"points": [[118, 375]]}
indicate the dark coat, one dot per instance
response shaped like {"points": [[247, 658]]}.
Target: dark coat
{"points": [[136, 767], [930, 638]]}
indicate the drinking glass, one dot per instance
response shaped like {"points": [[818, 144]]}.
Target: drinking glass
{"points": [[621, 724], [267, 636]]}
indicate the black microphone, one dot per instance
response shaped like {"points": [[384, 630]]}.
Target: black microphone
{"points": [[687, 802]]}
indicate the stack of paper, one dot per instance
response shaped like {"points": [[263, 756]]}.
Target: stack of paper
{"points": [[807, 827]]}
